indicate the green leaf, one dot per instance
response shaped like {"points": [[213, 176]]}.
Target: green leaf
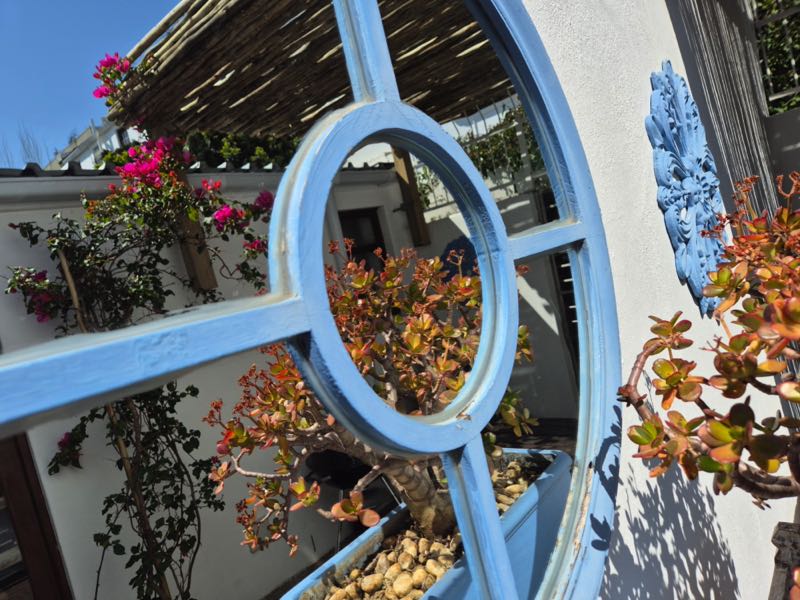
{"points": [[789, 391], [689, 391], [707, 464], [639, 435], [663, 368]]}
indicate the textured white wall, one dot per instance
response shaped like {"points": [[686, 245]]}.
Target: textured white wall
{"points": [[673, 539]]}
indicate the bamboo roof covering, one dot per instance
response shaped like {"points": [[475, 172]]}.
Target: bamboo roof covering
{"points": [[262, 67]]}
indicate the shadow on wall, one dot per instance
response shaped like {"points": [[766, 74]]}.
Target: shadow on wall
{"points": [[678, 549]]}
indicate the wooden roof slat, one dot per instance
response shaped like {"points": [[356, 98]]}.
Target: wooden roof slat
{"points": [[258, 67]]}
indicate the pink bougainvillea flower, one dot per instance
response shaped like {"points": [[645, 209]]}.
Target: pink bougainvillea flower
{"points": [[65, 440], [256, 246], [102, 91], [109, 61], [264, 202], [222, 215]]}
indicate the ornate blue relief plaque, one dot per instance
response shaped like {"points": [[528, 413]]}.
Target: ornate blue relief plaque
{"points": [[688, 187]]}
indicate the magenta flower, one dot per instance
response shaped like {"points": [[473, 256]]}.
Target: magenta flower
{"points": [[256, 246], [109, 61], [224, 214], [264, 202], [102, 91], [65, 440]]}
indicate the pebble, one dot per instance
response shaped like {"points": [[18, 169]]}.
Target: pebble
{"points": [[424, 546], [429, 581], [355, 574], [406, 561], [403, 584], [382, 564], [392, 557], [447, 559], [352, 591], [409, 547], [418, 576], [437, 548], [411, 534], [372, 583], [514, 489], [339, 594], [456, 541], [392, 572], [434, 567], [414, 595], [503, 499]]}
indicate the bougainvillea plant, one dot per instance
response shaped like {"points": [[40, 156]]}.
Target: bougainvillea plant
{"points": [[758, 284], [412, 330], [117, 75], [111, 272]]}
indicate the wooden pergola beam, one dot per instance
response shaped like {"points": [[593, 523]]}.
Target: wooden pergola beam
{"points": [[412, 203]]}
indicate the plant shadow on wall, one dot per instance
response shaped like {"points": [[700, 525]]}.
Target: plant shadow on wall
{"points": [[672, 514]]}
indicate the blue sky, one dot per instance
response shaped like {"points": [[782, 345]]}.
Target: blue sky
{"points": [[48, 49]]}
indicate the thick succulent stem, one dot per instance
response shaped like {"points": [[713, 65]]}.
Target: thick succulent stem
{"points": [[429, 507]]}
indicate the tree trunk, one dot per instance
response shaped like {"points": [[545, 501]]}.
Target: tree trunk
{"points": [[430, 507]]}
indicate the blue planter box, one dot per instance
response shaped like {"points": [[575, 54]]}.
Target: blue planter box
{"points": [[530, 527]]}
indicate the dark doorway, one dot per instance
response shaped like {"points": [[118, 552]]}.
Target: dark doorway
{"points": [[364, 228], [30, 560]]}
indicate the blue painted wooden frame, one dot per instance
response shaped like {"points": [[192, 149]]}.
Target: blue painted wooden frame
{"points": [[83, 369]]}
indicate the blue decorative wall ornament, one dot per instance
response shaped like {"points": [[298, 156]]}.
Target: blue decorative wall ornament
{"points": [[688, 186]]}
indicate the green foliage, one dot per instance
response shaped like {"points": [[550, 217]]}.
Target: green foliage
{"points": [[412, 330], [236, 149], [112, 272], [780, 41], [496, 154]]}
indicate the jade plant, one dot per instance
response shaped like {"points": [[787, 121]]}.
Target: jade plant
{"points": [[412, 329], [758, 288], [112, 271]]}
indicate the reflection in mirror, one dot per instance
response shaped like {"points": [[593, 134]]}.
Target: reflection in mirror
{"points": [[127, 248], [404, 291], [548, 385]]}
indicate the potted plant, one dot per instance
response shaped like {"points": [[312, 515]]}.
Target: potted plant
{"points": [[758, 287], [412, 329]]}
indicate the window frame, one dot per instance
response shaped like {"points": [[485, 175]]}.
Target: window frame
{"points": [[134, 359]]}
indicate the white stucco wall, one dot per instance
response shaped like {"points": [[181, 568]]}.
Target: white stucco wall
{"points": [[673, 539]]}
